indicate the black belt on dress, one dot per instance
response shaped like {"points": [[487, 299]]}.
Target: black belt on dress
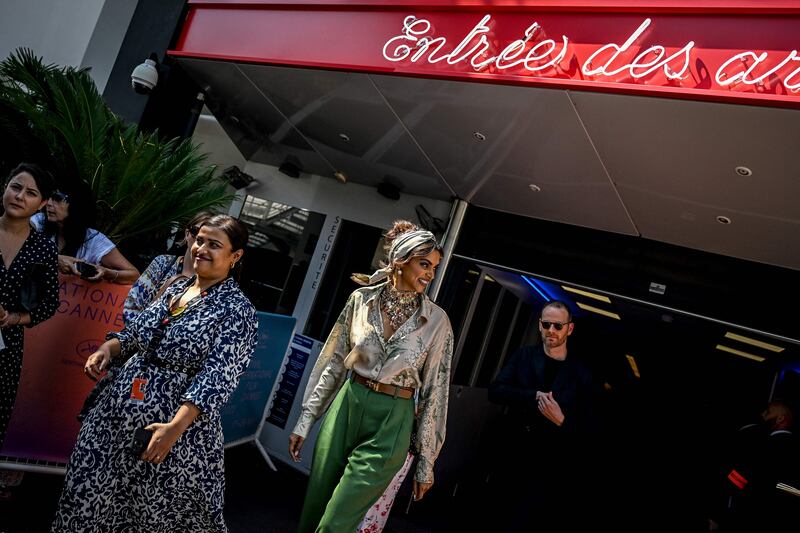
{"points": [[384, 388], [174, 367]]}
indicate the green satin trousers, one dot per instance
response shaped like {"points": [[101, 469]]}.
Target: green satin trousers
{"points": [[362, 444]]}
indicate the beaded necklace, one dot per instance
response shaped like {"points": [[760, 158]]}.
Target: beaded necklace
{"points": [[174, 312], [398, 305]]}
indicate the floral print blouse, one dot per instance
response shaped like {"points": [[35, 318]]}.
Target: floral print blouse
{"points": [[418, 355]]}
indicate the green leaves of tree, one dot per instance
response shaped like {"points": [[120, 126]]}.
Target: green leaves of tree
{"points": [[55, 116]]}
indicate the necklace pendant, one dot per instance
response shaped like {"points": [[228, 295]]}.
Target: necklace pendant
{"points": [[398, 306]]}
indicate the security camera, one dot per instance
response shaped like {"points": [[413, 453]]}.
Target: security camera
{"points": [[145, 76]]}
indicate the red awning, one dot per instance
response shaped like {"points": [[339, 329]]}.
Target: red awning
{"points": [[744, 51]]}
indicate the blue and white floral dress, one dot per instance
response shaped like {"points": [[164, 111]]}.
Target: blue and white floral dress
{"points": [[106, 488]]}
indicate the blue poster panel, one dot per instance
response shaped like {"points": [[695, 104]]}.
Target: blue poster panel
{"points": [[299, 352], [243, 413]]}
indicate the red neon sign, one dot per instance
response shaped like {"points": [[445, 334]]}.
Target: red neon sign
{"points": [[737, 56], [536, 54]]}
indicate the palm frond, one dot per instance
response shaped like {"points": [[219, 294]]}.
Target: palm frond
{"points": [[142, 184]]}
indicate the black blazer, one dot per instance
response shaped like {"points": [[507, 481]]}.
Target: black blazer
{"points": [[573, 389]]}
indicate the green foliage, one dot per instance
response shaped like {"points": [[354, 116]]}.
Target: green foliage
{"points": [[56, 117]]}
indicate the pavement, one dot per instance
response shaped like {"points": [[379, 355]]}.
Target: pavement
{"points": [[256, 499]]}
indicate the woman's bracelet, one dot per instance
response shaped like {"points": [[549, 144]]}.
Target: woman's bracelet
{"points": [[116, 275]]}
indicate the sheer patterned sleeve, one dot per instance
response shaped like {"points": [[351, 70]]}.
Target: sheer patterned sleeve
{"points": [[328, 373], [144, 288], [433, 397]]}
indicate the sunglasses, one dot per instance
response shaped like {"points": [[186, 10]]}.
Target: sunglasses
{"points": [[558, 325], [59, 196]]}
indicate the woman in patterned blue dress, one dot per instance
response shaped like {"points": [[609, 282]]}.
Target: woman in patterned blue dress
{"points": [[188, 350], [162, 272]]}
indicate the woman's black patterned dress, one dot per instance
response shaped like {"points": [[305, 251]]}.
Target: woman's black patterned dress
{"points": [[106, 488], [37, 259]]}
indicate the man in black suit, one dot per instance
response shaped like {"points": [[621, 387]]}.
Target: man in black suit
{"points": [[761, 455], [549, 397]]}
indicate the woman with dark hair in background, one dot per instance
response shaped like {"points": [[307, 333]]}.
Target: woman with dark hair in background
{"points": [[187, 351], [83, 251], [397, 343], [28, 278]]}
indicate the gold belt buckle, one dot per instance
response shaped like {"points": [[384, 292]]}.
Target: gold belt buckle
{"points": [[373, 385]]}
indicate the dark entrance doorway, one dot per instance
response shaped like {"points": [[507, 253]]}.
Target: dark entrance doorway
{"points": [[672, 387]]}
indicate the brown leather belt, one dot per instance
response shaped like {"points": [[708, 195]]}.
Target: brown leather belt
{"points": [[384, 388]]}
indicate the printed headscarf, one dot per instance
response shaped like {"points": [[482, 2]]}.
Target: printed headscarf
{"points": [[403, 248]]}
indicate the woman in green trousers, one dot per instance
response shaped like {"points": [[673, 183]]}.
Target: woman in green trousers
{"points": [[396, 343]]}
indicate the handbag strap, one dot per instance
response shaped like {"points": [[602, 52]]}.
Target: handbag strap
{"points": [[170, 280], [167, 284]]}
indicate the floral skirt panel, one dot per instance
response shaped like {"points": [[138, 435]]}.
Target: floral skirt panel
{"points": [[375, 519]]}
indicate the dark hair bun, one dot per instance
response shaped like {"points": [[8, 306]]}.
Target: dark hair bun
{"points": [[398, 228]]}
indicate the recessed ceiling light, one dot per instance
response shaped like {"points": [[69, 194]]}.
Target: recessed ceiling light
{"points": [[534, 187], [724, 220], [744, 171], [344, 137], [479, 136]]}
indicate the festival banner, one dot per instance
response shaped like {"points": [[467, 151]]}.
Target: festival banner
{"points": [[43, 426]]}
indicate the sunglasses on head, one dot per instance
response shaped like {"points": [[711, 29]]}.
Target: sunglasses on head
{"points": [[59, 196], [558, 325]]}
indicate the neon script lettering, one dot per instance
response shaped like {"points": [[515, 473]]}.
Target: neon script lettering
{"points": [[415, 43], [627, 62]]}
